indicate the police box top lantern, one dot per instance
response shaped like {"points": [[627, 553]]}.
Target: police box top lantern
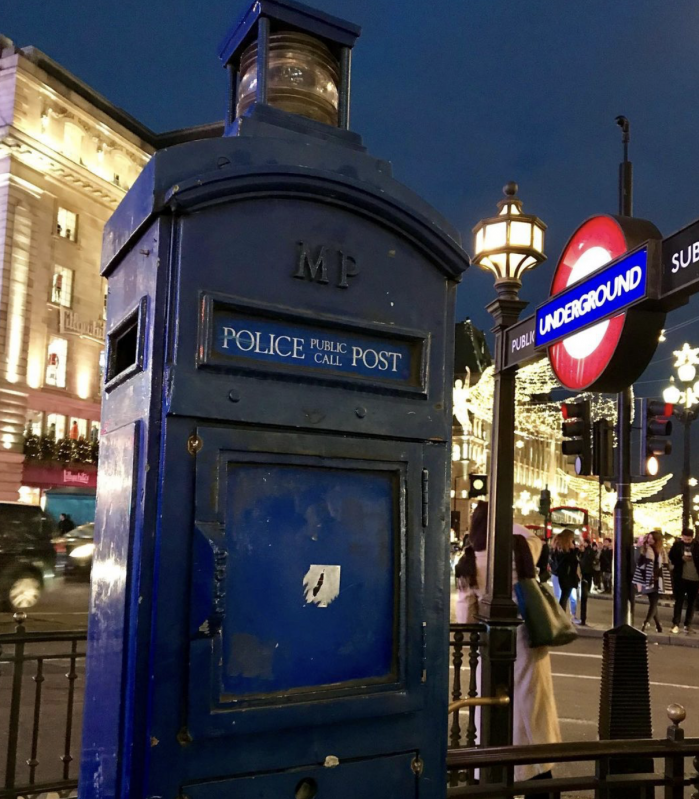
{"points": [[291, 57]]}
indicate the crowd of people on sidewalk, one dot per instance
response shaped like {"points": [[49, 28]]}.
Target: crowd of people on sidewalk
{"points": [[575, 569]]}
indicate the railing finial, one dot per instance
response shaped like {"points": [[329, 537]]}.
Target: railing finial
{"points": [[19, 618], [676, 713]]}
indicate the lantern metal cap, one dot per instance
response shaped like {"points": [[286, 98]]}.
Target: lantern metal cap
{"points": [[289, 15]]}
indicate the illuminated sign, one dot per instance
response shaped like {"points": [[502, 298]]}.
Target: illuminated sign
{"points": [[240, 338], [598, 326], [606, 292]]}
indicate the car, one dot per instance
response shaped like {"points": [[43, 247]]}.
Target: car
{"points": [[74, 550], [27, 556]]}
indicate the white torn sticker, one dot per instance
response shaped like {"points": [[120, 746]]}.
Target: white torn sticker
{"points": [[321, 585]]}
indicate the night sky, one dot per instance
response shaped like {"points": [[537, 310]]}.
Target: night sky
{"points": [[461, 96]]}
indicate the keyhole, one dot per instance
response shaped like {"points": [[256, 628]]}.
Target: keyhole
{"points": [[306, 789]]}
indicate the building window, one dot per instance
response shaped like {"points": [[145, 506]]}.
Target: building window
{"points": [[62, 286], [72, 141], [78, 429], [56, 425], [67, 224], [35, 421], [94, 431], [56, 361]]}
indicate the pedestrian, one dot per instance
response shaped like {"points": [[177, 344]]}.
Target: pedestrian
{"points": [[684, 559], [606, 559], [596, 569], [534, 705], [564, 564], [65, 523], [587, 566], [648, 576], [471, 568], [542, 564]]}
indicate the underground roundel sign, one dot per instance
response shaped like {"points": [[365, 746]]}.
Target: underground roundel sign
{"points": [[612, 354]]}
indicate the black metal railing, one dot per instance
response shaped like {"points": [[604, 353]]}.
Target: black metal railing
{"points": [[670, 752], [39, 677], [464, 641]]}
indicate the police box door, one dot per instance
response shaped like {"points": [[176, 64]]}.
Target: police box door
{"points": [[307, 581]]}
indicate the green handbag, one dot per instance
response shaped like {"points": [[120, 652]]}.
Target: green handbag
{"points": [[545, 621]]}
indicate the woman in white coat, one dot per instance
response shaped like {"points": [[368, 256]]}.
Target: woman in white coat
{"points": [[470, 571], [535, 714]]}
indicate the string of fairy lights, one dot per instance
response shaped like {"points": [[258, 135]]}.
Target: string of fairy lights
{"points": [[538, 417]]}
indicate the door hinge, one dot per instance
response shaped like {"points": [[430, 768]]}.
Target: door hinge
{"points": [[424, 652], [417, 765], [425, 497]]}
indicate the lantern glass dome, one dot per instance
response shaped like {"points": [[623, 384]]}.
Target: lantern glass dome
{"points": [[511, 242], [302, 75]]}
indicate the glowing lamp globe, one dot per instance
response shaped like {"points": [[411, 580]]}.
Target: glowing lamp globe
{"points": [[510, 243], [671, 394], [687, 372]]}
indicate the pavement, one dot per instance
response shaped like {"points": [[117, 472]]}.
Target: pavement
{"points": [[600, 612]]}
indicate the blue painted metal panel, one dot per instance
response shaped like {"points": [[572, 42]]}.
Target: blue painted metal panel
{"points": [[310, 581], [108, 628], [177, 703], [380, 778]]}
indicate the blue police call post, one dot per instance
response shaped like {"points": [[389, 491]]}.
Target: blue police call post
{"points": [[269, 609]]}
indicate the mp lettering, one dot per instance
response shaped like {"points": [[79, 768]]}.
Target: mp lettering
{"points": [[317, 264]]}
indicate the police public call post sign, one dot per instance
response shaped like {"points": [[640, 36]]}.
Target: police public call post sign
{"points": [[605, 293]]}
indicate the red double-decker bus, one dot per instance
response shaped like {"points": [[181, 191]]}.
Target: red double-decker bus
{"points": [[571, 517]]}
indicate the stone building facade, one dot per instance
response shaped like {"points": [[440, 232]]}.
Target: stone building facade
{"points": [[67, 157]]}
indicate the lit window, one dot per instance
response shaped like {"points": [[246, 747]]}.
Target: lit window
{"points": [[78, 428], [67, 224], [62, 286], [56, 425], [34, 422], [56, 359], [72, 141]]}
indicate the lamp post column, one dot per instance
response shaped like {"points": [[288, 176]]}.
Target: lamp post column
{"points": [[687, 419], [499, 610]]}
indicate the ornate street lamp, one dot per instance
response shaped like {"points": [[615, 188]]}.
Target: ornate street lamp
{"points": [[686, 402], [507, 245], [510, 243]]}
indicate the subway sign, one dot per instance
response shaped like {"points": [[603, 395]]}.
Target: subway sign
{"points": [[601, 324], [605, 293]]}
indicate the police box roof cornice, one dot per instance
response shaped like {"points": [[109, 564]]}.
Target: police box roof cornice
{"points": [[234, 167]]}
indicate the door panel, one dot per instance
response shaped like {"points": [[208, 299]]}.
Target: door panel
{"points": [[307, 580]]}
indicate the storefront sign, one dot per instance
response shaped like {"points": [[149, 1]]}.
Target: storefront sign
{"points": [[73, 323], [42, 476], [247, 339]]}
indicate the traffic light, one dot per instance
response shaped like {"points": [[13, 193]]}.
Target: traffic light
{"points": [[545, 502], [656, 428], [577, 434], [603, 449], [478, 485]]}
